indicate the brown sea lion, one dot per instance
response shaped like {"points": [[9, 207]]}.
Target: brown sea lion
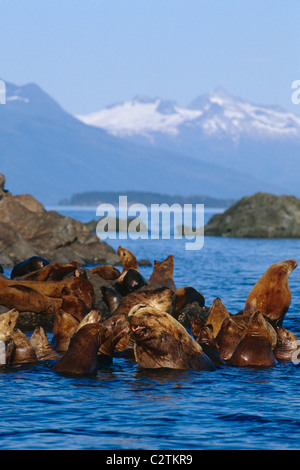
{"points": [[28, 266], [114, 337], [8, 322], [83, 287], [271, 294], [64, 326], [242, 322], [160, 299], [287, 345], [185, 296], [25, 299], [118, 323], [52, 272], [216, 316], [94, 316], [72, 303], [23, 352], [128, 260], [106, 271], [162, 342], [81, 358], [255, 347], [228, 338], [205, 337], [41, 345], [111, 297], [162, 274]]}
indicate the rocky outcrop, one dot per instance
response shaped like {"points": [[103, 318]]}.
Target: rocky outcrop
{"points": [[28, 229], [259, 216]]}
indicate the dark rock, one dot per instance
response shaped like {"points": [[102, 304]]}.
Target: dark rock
{"points": [[27, 230], [259, 216]]}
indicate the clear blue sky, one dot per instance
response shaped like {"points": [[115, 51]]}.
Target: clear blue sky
{"points": [[91, 53]]}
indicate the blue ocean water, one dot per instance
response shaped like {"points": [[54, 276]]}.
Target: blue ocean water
{"points": [[127, 408]]}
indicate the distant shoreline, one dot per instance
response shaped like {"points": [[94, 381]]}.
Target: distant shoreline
{"points": [[95, 198]]}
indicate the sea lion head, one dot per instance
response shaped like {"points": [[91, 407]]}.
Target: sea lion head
{"points": [[132, 281], [161, 341], [163, 272], [287, 345], [271, 294], [128, 259], [8, 321]]}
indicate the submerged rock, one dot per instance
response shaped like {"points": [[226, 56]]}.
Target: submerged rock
{"points": [[259, 216]]}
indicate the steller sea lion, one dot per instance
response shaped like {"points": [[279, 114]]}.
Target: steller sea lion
{"points": [[83, 287], [205, 337], [128, 260], [23, 352], [52, 272], [72, 303], [228, 338], [216, 315], [111, 297], [162, 274], [25, 299], [160, 299], [132, 281], [287, 345], [41, 345], [271, 294], [64, 326], [255, 346], [8, 321], [28, 266], [119, 323], [185, 296], [162, 342], [81, 357], [106, 271]]}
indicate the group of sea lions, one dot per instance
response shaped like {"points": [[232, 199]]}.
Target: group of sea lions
{"points": [[143, 321]]}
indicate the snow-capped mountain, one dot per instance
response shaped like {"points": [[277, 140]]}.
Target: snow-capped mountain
{"points": [[49, 153], [211, 115], [260, 141]]}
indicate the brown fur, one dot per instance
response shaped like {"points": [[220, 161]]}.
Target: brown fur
{"points": [[73, 304], [158, 298], [228, 338], [287, 345], [41, 345], [162, 274], [64, 326], [25, 298], [216, 316], [107, 272], [8, 321], [83, 287], [161, 341], [81, 357], [255, 347], [128, 260], [23, 352], [52, 272], [271, 294]]}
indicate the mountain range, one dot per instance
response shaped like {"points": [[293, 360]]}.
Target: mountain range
{"points": [[218, 146]]}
